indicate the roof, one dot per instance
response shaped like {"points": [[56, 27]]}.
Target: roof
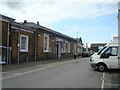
{"points": [[19, 25], [33, 25], [2, 17]]}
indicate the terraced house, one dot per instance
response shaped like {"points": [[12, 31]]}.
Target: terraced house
{"points": [[30, 41]]}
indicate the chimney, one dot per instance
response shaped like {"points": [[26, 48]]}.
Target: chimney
{"points": [[37, 23], [25, 21]]}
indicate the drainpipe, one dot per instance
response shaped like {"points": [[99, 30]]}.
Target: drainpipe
{"points": [[18, 60], [35, 44], [8, 43]]}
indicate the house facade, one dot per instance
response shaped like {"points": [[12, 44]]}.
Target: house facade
{"points": [[22, 43], [4, 38], [28, 41], [52, 44]]}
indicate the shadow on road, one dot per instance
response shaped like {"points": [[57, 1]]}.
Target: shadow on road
{"points": [[113, 71]]}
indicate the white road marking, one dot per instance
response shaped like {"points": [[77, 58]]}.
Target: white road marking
{"points": [[103, 81], [23, 73], [112, 84], [48, 66], [9, 73]]}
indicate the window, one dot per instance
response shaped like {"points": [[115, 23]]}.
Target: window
{"points": [[108, 51], [112, 51], [23, 43], [75, 47], [64, 47], [78, 49], [101, 50], [100, 47], [46, 42], [68, 47]]}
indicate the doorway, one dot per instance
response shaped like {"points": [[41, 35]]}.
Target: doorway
{"points": [[58, 50]]}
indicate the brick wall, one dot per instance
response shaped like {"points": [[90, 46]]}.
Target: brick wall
{"points": [[3, 41], [24, 56]]}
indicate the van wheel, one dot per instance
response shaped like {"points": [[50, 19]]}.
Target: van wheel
{"points": [[101, 67]]}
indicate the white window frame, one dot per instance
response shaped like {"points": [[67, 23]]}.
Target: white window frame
{"points": [[75, 47], [68, 47], [64, 47], [46, 35], [26, 45], [78, 49]]}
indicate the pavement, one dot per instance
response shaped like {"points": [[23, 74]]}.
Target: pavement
{"points": [[30, 63]]}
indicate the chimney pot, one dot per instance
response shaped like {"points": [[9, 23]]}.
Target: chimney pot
{"points": [[37, 23], [25, 21]]}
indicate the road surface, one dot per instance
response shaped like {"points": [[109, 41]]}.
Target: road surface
{"points": [[64, 74]]}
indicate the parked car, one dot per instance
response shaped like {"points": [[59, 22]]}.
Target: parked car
{"points": [[85, 54], [91, 53]]}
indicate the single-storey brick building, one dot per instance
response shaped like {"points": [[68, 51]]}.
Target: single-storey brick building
{"points": [[28, 41]]}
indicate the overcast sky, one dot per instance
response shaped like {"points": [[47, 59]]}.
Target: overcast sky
{"points": [[94, 20]]}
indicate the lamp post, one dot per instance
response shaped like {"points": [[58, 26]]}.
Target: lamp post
{"points": [[119, 34]]}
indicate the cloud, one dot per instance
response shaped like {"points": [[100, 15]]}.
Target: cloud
{"points": [[52, 11], [60, 0], [14, 5], [75, 28]]}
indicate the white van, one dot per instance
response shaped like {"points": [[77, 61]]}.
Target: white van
{"points": [[106, 58]]}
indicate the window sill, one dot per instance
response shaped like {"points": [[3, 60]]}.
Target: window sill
{"points": [[46, 51], [24, 51]]}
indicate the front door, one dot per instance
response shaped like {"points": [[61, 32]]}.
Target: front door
{"points": [[58, 50]]}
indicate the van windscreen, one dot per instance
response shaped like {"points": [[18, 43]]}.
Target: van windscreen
{"points": [[101, 50]]}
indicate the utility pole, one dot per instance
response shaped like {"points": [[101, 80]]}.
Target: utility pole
{"points": [[118, 36], [86, 47], [77, 35]]}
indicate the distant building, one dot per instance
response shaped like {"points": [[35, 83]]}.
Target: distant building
{"points": [[95, 47]]}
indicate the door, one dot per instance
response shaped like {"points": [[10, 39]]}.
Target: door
{"points": [[58, 50], [110, 56]]}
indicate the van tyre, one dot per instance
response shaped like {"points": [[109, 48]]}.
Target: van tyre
{"points": [[101, 67]]}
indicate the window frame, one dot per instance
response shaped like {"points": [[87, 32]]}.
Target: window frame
{"points": [[111, 50], [64, 47], [26, 45], [75, 47], [68, 47], [107, 55], [46, 35]]}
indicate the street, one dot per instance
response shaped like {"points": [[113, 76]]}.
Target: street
{"points": [[64, 74]]}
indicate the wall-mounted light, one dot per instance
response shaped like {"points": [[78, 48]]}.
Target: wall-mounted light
{"points": [[16, 30], [39, 35]]}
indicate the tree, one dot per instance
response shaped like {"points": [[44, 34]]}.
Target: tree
{"points": [[80, 40]]}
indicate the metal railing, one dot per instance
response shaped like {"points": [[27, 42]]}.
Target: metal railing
{"points": [[3, 57]]}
